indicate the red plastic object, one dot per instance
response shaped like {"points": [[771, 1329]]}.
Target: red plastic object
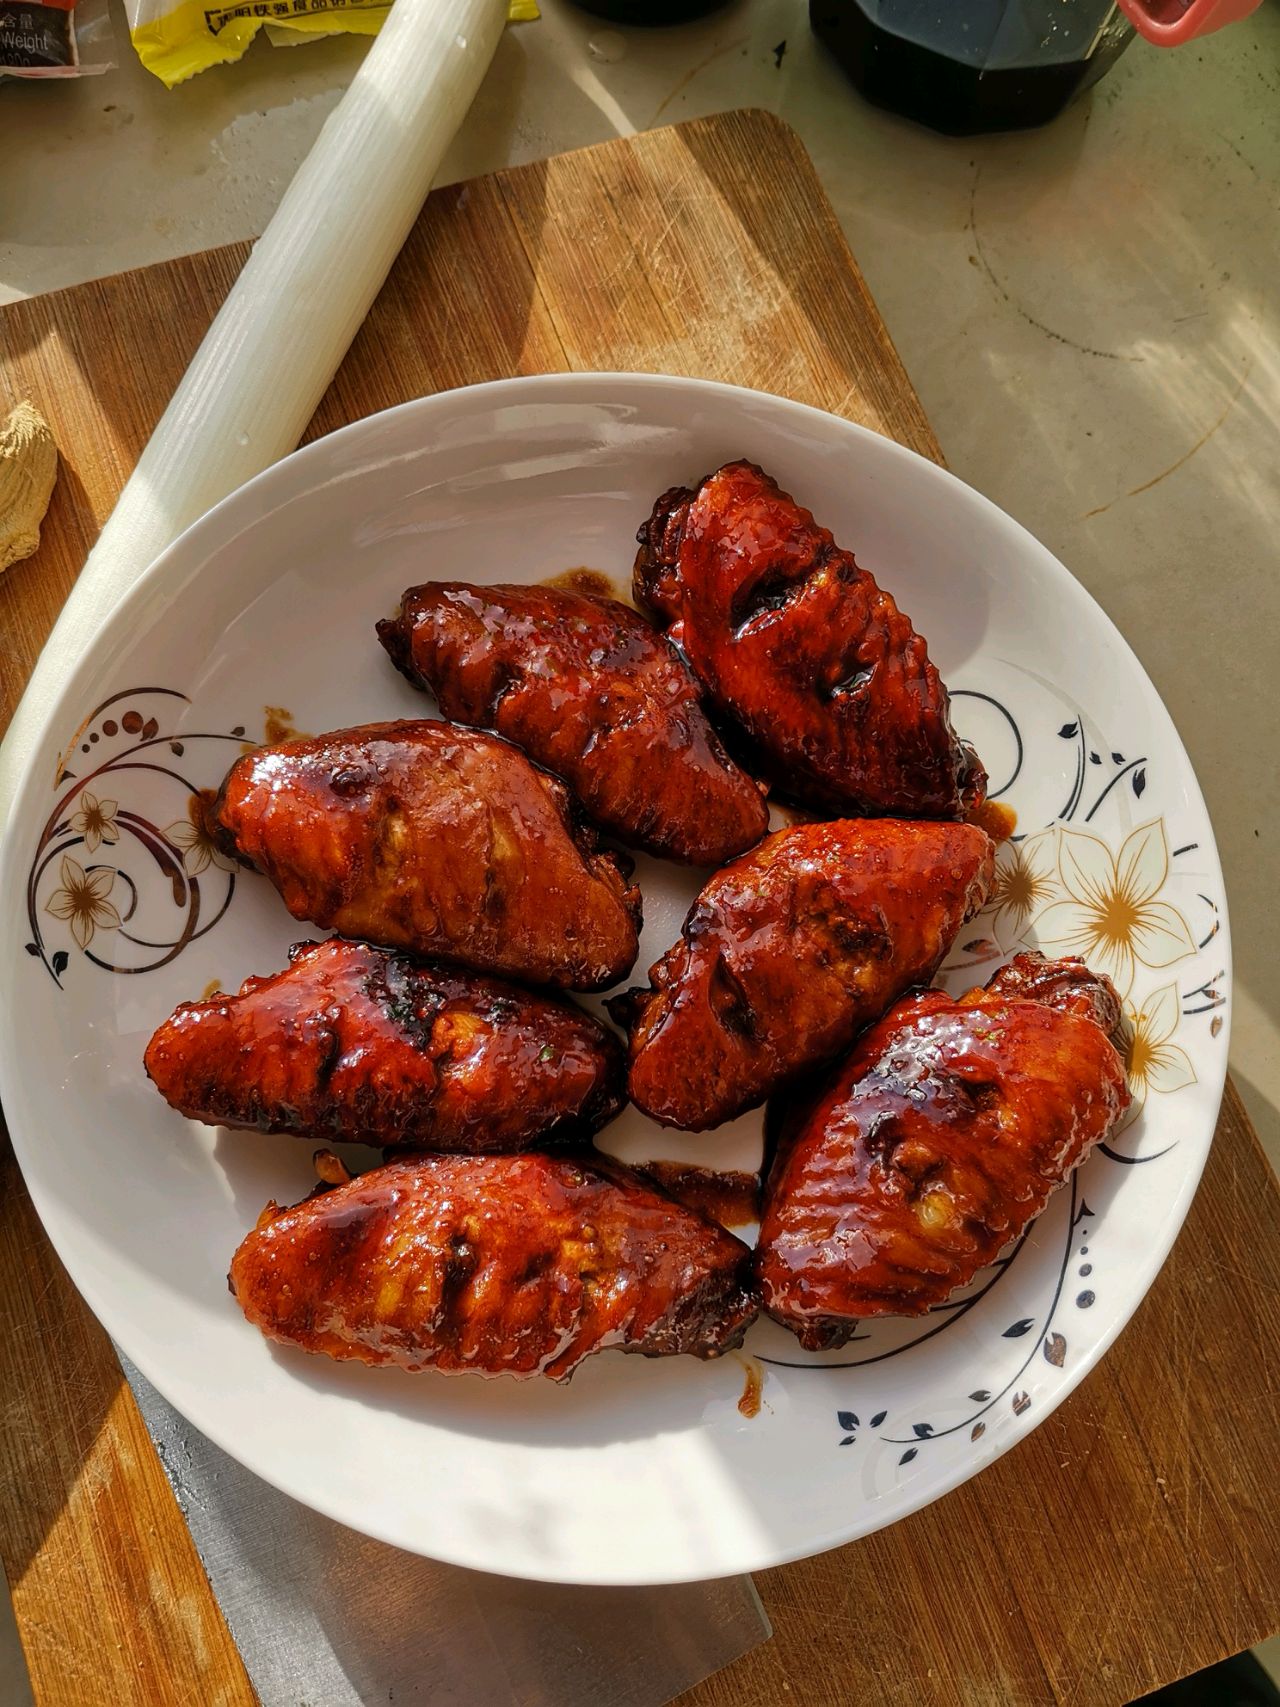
{"points": [[1169, 23]]}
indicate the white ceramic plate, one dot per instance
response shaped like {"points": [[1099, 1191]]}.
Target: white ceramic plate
{"points": [[262, 616]]}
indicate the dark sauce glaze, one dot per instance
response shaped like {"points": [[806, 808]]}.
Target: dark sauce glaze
{"points": [[993, 816], [584, 580], [935, 1143], [788, 953], [730, 1197], [575, 1255], [331, 1170], [797, 645], [584, 685], [202, 809], [444, 841], [356, 1044]]}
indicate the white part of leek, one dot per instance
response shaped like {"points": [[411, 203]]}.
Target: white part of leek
{"points": [[289, 319]]}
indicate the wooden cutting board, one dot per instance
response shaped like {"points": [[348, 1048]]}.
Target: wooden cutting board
{"points": [[1131, 1539]]}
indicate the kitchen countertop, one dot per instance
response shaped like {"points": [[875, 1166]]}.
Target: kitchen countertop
{"points": [[1087, 311]]}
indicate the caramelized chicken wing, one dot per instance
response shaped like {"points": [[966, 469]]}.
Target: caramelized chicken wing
{"points": [[1065, 984], [791, 950], [436, 839], [589, 690], [358, 1044], [502, 1265], [935, 1144], [803, 651]]}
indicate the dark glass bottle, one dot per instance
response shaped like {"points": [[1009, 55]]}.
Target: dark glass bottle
{"points": [[966, 66], [650, 11]]}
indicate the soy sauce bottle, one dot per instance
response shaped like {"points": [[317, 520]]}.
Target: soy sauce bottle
{"points": [[966, 66]]}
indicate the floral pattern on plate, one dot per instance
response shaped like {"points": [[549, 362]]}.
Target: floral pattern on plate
{"points": [[130, 893]]}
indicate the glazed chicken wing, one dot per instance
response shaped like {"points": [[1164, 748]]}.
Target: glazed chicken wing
{"points": [[436, 839], [358, 1044], [791, 950], [589, 690], [935, 1144], [803, 651], [502, 1265]]}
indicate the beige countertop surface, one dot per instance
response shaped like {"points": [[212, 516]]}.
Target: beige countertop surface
{"points": [[1088, 312]]}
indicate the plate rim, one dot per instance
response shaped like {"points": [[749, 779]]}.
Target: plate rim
{"points": [[591, 387]]}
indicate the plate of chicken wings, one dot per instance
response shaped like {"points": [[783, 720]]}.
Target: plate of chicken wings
{"points": [[604, 864]]}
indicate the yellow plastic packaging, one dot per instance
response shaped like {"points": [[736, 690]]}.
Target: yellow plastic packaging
{"points": [[175, 40]]}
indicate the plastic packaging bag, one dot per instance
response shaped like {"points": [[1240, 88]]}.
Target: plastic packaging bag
{"points": [[54, 38], [177, 38]]}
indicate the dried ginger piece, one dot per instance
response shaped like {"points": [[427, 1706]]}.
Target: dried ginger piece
{"points": [[28, 469]]}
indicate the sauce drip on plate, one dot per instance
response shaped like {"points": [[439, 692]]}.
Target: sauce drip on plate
{"points": [[584, 580], [749, 1403]]}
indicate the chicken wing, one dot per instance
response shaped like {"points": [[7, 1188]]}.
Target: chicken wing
{"points": [[935, 1144], [589, 690], [358, 1044], [1065, 984], [502, 1265], [436, 839], [803, 651], [788, 952]]}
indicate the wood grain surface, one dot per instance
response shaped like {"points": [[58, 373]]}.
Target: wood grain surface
{"points": [[1129, 1540]]}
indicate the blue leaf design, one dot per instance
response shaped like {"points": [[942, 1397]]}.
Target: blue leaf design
{"points": [[1018, 1328], [1117, 758], [1139, 782], [848, 1440], [1069, 731], [1094, 759], [981, 1396], [907, 1456], [923, 1430], [60, 961], [846, 1419], [878, 1418]]}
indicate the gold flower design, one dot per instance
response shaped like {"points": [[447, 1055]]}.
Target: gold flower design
{"points": [[1152, 1063], [82, 899], [1111, 916], [96, 821], [191, 837], [1026, 876]]}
